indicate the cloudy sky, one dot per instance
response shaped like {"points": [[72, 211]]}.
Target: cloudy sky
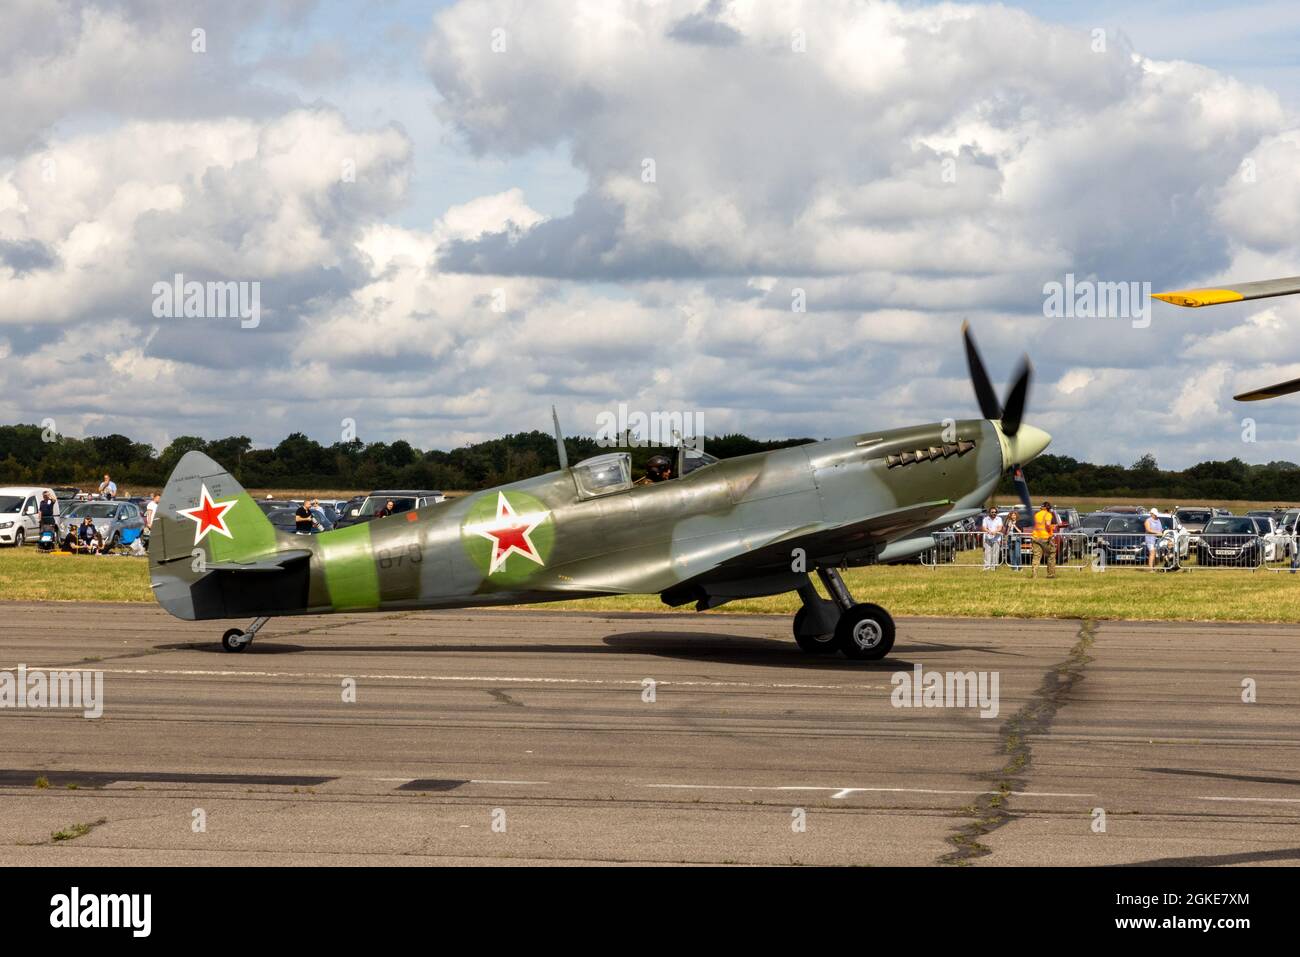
{"points": [[459, 213]]}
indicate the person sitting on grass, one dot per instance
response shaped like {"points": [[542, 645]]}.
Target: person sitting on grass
{"points": [[88, 536], [70, 541]]}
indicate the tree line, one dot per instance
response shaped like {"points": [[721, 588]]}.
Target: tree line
{"points": [[30, 456]]}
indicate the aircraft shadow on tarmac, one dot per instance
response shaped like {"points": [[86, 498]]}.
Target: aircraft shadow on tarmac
{"points": [[715, 647], [689, 646]]}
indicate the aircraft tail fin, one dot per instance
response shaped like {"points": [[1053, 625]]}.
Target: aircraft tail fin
{"points": [[205, 522]]}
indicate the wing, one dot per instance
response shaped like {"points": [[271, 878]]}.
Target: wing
{"points": [[1232, 292], [1269, 391], [830, 544], [1240, 292]]}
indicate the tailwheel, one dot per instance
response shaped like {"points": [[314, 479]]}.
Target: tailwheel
{"points": [[812, 644], [865, 632], [235, 640]]}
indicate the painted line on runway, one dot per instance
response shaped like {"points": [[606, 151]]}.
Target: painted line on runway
{"points": [[1253, 800], [841, 793], [631, 682]]}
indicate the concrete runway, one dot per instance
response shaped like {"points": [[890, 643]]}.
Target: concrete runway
{"points": [[535, 720]]}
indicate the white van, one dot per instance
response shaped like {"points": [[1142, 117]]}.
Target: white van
{"points": [[20, 516]]}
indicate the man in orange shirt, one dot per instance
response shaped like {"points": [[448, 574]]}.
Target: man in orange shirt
{"points": [[1043, 540]]}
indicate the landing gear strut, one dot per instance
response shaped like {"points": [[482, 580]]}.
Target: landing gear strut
{"points": [[862, 632], [237, 640]]}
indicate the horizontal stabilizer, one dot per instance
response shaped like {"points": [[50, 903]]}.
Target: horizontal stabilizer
{"points": [[1232, 292], [272, 563]]}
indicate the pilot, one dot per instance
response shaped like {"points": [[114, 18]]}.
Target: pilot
{"points": [[658, 469]]}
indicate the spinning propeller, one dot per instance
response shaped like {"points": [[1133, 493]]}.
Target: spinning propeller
{"points": [[1023, 442]]}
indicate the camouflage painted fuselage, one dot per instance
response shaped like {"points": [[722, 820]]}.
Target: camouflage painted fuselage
{"points": [[737, 527]]}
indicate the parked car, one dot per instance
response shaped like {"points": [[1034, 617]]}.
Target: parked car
{"points": [[20, 518], [112, 519], [1177, 533], [403, 501], [1123, 540], [1231, 540], [1276, 544], [66, 494], [1193, 518]]}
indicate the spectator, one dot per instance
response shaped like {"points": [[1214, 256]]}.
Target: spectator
{"points": [[1044, 540], [151, 510], [1013, 540], [88, 537], [49, 514], [387, 510], [107, 488], [303, 520], [992, 528], [1154, 529]]}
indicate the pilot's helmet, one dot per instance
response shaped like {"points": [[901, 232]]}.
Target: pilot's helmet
{"points": [[658, 466]]}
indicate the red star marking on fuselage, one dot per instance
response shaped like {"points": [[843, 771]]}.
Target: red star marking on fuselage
{"points": [[208, 516], [511, 534]]}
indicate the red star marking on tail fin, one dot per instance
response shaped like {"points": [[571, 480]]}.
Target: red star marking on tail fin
{"points": [[208, 516]]}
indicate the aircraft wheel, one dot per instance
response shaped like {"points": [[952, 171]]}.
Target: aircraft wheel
{"points": [[812, 644], [865, 632], [232, 640]]}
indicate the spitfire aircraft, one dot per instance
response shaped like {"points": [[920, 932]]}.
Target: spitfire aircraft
{"points": [[717, 531]]}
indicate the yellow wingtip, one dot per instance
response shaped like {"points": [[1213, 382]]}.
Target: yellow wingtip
{"points": [[1193, 298]]}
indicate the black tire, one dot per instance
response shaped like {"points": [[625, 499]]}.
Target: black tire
{"points": [[865, 632], [229, 644], [20, 537], [812, 644]]}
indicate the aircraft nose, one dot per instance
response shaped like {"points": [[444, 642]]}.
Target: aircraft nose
{"points": [[1028, 443]]}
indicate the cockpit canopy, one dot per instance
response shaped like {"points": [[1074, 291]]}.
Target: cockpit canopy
{"points": [[603, 474], [612, 472]]}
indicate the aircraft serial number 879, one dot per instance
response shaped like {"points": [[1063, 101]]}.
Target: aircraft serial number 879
{"points": [[717, 531]]}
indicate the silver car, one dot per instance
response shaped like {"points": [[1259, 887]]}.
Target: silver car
{"points": [[112, 519]]}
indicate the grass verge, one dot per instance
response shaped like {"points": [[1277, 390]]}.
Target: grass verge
{"points": [[1120, 593]]}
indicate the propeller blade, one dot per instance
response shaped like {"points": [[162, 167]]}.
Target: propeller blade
{"points": [[1022, 486], [1269, 392], [979, 377], [1015, 407]]}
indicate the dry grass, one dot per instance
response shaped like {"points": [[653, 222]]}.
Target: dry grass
{"points": [[1118, 593], [283, 494], [30, 575], [1085, 503], [948, 591]]}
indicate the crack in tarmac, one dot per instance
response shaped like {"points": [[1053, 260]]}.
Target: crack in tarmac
{"points": [[990, 811]]}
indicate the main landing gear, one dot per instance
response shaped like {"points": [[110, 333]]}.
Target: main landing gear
{"points": [[863, 632], [237, 640]]}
